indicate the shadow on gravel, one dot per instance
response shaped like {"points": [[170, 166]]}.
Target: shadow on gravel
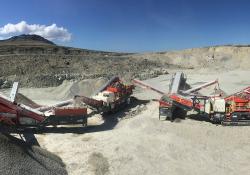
{"points": [[110, 121], [199, 117]]}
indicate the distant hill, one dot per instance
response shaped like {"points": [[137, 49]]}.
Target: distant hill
{"points": [[36, 62], [35, 44], [214, 58], [26, 40]]}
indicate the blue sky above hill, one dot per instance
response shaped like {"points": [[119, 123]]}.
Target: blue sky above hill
{"points": [[129, 25]]}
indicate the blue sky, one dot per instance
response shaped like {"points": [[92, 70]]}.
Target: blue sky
{"points": [[137, 25]]}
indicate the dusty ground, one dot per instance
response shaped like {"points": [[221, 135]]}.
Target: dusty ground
{"points": [[19, 158], [141, 144]]}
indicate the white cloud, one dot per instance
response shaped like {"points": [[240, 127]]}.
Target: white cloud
{"points": [[51, 32]]}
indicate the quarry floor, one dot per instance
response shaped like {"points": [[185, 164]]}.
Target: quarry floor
{"points": [[141, 144]]}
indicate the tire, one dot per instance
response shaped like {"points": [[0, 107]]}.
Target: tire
{"points": [[217, 119], [167, 114], [179, 113], [159, 114], [112, 108], [128, 101], [85, 121]]}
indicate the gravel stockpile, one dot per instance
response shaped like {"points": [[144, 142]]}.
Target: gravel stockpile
{"points": [[18, 158], [22, 99]]}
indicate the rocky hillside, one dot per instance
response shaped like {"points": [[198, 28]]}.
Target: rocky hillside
{"points": [[26, 40], [37, 62], [35, 45], [214, 58]]}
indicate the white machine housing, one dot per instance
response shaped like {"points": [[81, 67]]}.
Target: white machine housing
{"points": [[216, 105], [105, 96], [219, 105]]}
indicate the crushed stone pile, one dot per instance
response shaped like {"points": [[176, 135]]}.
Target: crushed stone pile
{"points": [[26, 101], [135, 111], [18, 158]]}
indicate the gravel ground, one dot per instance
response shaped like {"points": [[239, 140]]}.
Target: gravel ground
{"points": [[18, 158], [135, 142], [142, 144]]}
